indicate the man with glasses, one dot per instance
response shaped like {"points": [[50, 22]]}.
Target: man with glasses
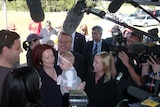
{"points": [[10, 49], [47, 32], [64, 45]]}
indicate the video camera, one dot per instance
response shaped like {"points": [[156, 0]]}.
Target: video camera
{"points": [[120, 41], [154, 35], [115, 49], [117, 36], [144, 51], [150, 51]]}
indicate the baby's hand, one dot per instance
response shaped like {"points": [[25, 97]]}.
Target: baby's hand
{"points": [[81, 86], [59, 79], [67, 88]]}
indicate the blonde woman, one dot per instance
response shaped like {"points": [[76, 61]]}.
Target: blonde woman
{"points": [[83, 29], [100, 87]]}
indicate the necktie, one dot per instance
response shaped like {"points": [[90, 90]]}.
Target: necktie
{"points": [[95, 50]]}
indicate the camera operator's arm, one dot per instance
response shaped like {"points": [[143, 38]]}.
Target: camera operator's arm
{"points": [[113, 67], [155, 66], [125, 59], [145, 69]]}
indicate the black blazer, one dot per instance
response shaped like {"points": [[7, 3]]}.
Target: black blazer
{"points": [[79, 43], [87, 53], [78, 64]]}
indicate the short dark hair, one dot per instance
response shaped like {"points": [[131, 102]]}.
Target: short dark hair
{"points": [[37, 54], [7, 38], [137, 36], [64, 33], [21, 88], [48, 22], [99, 28]]}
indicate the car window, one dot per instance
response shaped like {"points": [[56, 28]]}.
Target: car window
{"points": [[140, 17], [157, 13], [149, 17], [131, 15]]}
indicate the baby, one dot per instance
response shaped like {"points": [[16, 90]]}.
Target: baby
{"points": [[68, 80]]}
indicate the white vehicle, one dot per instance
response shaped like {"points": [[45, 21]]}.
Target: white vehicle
{"points": [[129, 17], [107, 26], [145, 21]]}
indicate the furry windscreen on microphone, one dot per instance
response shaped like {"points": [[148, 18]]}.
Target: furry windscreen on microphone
{"points": [[72, 21], [137, 48], [115, 5], [36, 11]]}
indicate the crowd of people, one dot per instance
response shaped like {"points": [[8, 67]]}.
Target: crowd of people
{"points": [[78, 62]]}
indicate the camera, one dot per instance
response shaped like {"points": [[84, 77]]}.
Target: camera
{"points": [[119, 40], [78, 98], [117, 35], [153, 38], [115, 49], [150, 51], [144, 57]]}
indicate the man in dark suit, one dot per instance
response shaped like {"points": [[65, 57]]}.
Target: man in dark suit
{"points": [[64, 45], [78, 42], [94, 46]]}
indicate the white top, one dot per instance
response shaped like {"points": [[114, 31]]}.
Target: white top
{"points": [[68, 78]]}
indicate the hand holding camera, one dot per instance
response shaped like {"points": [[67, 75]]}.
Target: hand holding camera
{"points": [[154, 64]]}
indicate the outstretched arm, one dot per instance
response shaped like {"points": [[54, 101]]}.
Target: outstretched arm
{"points": [[125, 59]]}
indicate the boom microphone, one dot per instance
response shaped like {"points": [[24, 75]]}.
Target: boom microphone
{"points": [[74, 17], [115, 5], [96, 12], [36, 11], [138, 93], [147, 99]]}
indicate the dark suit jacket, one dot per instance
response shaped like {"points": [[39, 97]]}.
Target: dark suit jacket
{"points": [[79, 43], [78, 64], [87, 53]]}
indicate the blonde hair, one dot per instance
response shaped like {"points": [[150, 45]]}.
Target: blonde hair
{"points": [[106, 61], [69, 57], [84, 28]]}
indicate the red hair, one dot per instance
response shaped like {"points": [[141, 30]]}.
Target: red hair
{"points": [[37, 53]]}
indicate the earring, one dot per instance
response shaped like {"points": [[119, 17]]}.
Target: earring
{"points": [[40, 63]]}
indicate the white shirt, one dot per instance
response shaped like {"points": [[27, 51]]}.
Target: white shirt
{"points": [[99, 46], [73, 36]]}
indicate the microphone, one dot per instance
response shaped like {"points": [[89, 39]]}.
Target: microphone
{"points": [[74, 17], [147, 99], [115, 5], [138, 93], [96, 12], [36, 11], [137, 48]]}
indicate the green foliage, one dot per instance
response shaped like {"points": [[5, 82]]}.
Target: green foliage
{"points": [[48, 5], [17, 5]]}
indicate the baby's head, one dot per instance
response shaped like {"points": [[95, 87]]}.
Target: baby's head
{"points": [[66, 60]]}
